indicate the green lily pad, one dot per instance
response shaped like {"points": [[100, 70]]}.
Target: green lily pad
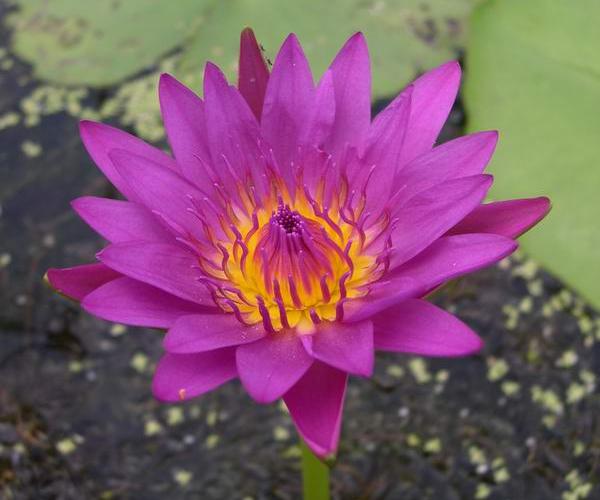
{"points": [[534, 74], [405, 36], [99, 43]]}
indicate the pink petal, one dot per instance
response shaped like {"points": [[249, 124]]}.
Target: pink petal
{"points": [[453, 256], [99, 139], [120, 221], [431, 213], [271, 365], [418, 327], [168, 267], [77, 282], [383, 151], [321, 116], [132, 302], [348, 347], [351, 73], [183, 115], [236, 146], [180, 377], [509, 218], [288, 102], [161, 191], [206, 332], [253, 72], [462, 157], [432, 99], [316, 404], [382, 295]]}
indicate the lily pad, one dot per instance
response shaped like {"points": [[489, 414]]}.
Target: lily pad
{"points": [[101, 42], [405, 36], [534, 74]]}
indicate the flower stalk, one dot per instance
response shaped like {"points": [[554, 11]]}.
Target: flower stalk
{"points": [[315, 475]]}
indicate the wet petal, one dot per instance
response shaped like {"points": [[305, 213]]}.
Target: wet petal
{"points": [[206, 332], [348, 347], [179, 377], [271, 365]]}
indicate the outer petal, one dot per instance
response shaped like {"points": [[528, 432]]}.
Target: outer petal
{"points": [[99, 139], [383, 295], [318, 125], [168, 267], [509, 218], [432, 99], [316, 404], [270, 366], [418, 327], [348, 347], [132, 302], [253, 72], [288, 103], [430, 214], [236, 146], [206, 332], [183, 376], [351, 73], [77, 282], [453, 256], [383, 150], [462, 157], [183, 115], [120, 221], [161, 191]]}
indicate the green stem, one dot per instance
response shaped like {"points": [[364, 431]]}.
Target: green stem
{"points": [[315, 475]]}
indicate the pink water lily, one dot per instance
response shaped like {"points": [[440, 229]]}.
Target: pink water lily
{"points": [[290, 236]]}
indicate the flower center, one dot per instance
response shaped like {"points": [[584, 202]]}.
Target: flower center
{"points": [[288, 220], [289, 260]]}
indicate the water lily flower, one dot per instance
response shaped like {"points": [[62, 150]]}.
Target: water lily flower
{"points": [[290, 236]]}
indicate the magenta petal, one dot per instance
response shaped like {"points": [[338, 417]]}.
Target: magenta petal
{"points": [[120, 221], [288, 102], [351, 73], [453, 256], [183, 115], [418, 327], [460, 157], [179, 377], [77, 282], [162, 191], [348, 347], [206, 332], [99, 139], [164, 266], [316, 404], [509, 218], [383, 151], [318, 125], [253, 74], [271, 365], [431, 213], [132, 302], [236, 146], [432, 99], [382, 295]]}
